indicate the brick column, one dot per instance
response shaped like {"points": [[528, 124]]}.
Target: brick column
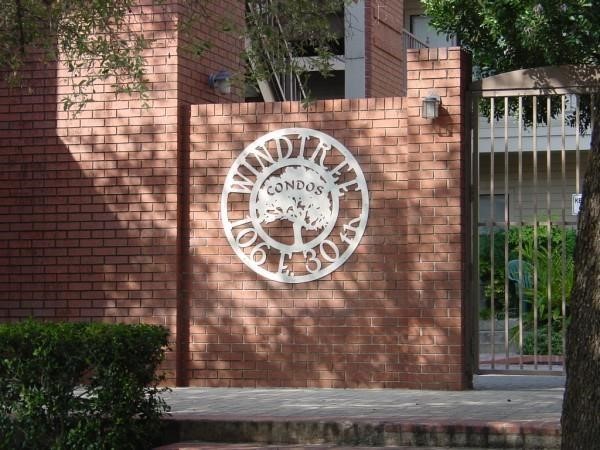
{"points": [[384, 52], [437, 156]]}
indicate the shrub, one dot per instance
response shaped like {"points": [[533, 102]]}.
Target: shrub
{"points": [[524, 235], [553, 269], [80, 386], [542, 341]]}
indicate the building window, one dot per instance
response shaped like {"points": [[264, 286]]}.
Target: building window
{"points": [[420, 27]]}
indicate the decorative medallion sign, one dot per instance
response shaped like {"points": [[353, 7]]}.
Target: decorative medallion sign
{"points": [[294, 205]]}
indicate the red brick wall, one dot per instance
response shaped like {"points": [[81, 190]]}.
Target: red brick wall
{"points": [[88, 204], [103, 215], [384, 50], [391, 316], [213, 27]]}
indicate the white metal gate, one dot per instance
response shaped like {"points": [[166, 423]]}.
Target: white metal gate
{"points": [[530, 142]]}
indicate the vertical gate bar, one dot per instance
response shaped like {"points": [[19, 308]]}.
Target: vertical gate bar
{"points": [[475, 220], [492, 236], [563, 157], [506, 229], [535, 231], [520, 205], [577, 144], [549, 265], [577, 191], [593, 110], [292, 85]]}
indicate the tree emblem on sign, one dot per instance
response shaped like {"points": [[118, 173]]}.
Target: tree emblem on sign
{"points": [[299, 195]]}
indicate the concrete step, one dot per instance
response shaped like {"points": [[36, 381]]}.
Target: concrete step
{"points": [[485, 345], [498, 337], [486, 349], [486, 325], [486, 337], [246, 446], [352, 433]]}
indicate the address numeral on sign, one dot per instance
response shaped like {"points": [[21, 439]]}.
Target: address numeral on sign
{"points": [[312, 259], [261, 252]]}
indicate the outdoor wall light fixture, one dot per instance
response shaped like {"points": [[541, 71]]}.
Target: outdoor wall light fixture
{"points": [[220, 82], [430, 109]]}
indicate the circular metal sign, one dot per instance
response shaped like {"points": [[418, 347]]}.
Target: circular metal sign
{"points": [[294, 205]]}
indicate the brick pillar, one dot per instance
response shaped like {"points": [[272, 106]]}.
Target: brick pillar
{"points": [[384, 50], [437, 156], [205, 26], [224, 53], [93, 214]]}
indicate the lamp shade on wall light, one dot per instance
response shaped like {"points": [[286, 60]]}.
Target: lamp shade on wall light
{"points": [[220, 82], [430, 107]]}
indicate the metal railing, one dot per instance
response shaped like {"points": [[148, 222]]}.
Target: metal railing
{"points": [[525, 169], [409, 40], [412, 41]]}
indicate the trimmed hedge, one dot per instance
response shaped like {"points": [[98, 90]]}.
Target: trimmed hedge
{"points": [[80, 386]]}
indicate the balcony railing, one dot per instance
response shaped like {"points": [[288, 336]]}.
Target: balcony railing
{"points": [[409, 40]]}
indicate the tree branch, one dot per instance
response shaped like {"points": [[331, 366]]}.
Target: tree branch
{"points": [[21, 27]]}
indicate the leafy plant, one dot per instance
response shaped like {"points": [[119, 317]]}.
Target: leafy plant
{"points": [[492, 282], [542, 302], [80, 386], [539, 346], [554, 281]]}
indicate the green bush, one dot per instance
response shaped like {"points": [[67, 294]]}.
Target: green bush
{"points": [[554, 270], [542, 341], [493, 282], [80, 386]]}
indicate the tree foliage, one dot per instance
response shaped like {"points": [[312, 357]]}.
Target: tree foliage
{"points": [[92, 38], [505, 35], [95, 40], [279, 31]]}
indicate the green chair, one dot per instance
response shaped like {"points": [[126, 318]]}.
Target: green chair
{"points": [[525, 281]]}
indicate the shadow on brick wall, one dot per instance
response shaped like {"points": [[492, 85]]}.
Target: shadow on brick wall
{"points": [[87, 207], [389, 317]]}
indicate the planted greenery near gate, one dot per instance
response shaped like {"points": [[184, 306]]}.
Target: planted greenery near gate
{"points": [[542, 300], [80, 386]]}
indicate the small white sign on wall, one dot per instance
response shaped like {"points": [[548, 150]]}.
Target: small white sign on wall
{"points": [[575, 204]]}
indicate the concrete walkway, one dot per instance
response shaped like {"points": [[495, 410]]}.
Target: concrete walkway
{"points": [[502, 412]]}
